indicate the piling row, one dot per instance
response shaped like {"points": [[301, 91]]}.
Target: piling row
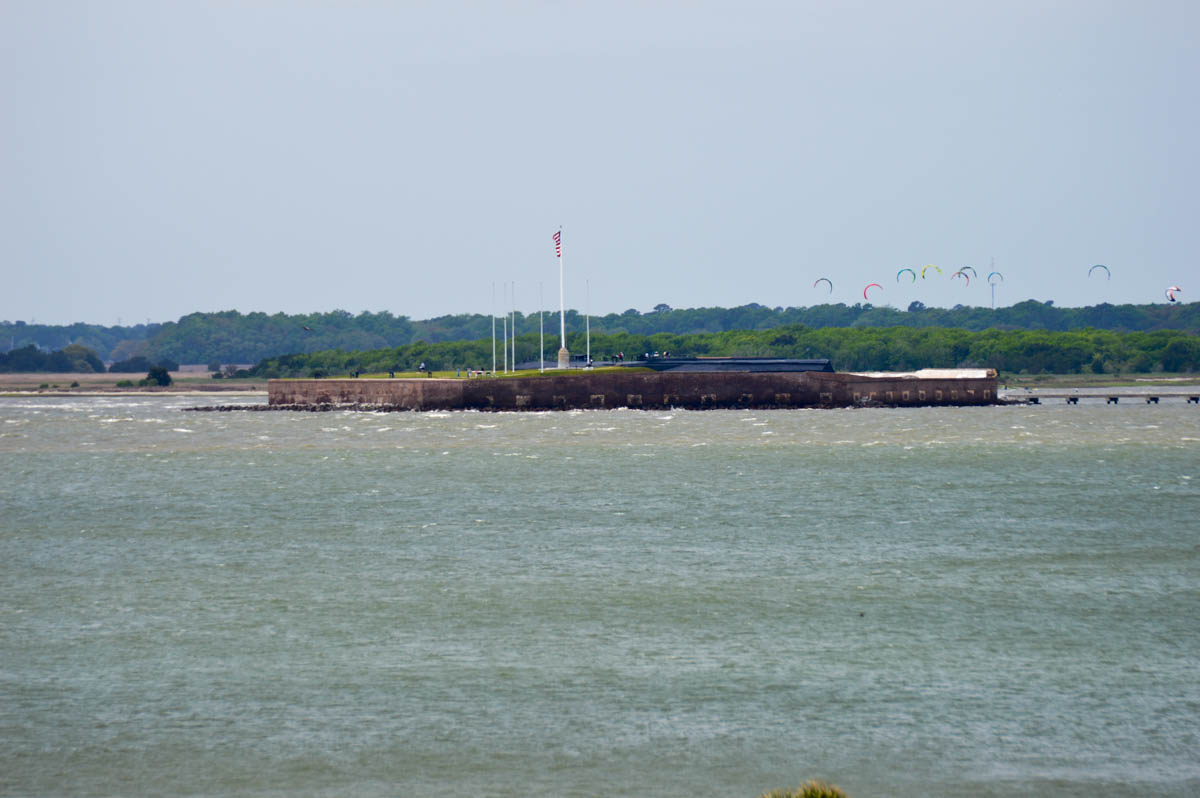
{"points": [[1109, 399]]}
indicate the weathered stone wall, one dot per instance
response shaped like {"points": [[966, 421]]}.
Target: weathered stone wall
{"points": [[414, 394], [639, 389]]}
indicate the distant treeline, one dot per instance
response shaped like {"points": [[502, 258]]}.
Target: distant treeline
{"points": [[850, 349], [73, 359], [233, 337], [109, 343]]}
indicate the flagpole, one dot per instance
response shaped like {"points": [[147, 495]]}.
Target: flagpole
{"points": [[493, 329], [505, 342], [564, 357], [513, 296], [587, 315], [541, 328]]}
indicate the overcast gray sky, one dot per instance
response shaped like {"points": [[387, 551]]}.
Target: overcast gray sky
{"points": [[159, 158]]}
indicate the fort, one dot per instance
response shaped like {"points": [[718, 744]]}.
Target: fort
{"points": [[723, 386]]}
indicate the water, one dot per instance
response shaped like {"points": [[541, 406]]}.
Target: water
{"points": [[926, 602]]}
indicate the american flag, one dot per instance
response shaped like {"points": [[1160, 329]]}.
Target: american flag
{"points": [[558, 243]]}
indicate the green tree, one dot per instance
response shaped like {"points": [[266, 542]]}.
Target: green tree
{"points": [[158, 375], [83, 360]]}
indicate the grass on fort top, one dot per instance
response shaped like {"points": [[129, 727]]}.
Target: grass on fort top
{"points": [[462, 374], [1005, 378]]}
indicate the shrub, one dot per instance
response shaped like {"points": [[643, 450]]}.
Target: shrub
{"points": [[124, 383], [810, 789], [157, 376]]}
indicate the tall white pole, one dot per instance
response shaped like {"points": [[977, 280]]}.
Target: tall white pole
{"points": [[505, 341], [493, 329], [562, 305], [564, 357], [541, 329], [514, 325], [587, 315]]}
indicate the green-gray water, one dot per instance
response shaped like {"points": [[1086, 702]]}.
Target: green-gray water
{"points": [[930, 602]]}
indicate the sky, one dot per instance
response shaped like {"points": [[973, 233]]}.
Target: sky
{"points": [[416, 156]]}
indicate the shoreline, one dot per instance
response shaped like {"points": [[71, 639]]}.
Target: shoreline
{"points": [[52, 394]]}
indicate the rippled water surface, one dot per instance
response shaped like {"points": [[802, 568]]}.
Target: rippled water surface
{"points": [[926, 602]]}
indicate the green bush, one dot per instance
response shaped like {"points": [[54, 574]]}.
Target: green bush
{"points": [[810, 789], [124, 383], [157, 376]]}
